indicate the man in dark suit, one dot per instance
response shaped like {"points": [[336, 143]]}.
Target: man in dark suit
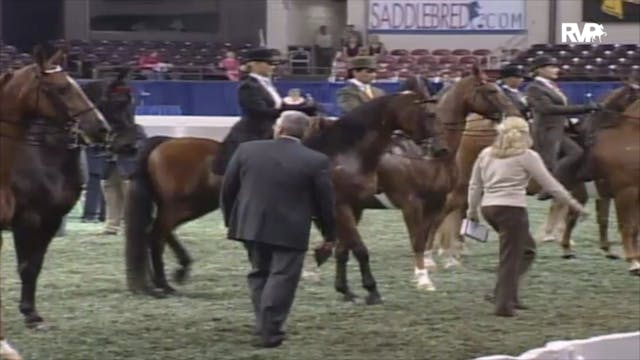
{"points": [[270, 191], [550, 110], [260, 104], [511, 77]]}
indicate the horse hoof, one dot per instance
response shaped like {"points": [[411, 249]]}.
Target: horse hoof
{"points": [[181, 275], [39, 326], [428, 286], [349, 297], [634, 269], [612, 256], [374, 299], [168, 290], [569, 256]]}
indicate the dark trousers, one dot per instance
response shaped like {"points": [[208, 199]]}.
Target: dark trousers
{"points": [[517, 250], [94, 205], [560, 153], [273, 281]]}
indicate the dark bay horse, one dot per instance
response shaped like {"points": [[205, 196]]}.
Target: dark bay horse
{"points": [[50, 161], [419, 186], [173, 176], [616, 157], [39, 90]]}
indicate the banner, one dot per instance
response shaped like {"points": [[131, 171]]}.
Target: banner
{"points": [[447, 16], [606, 11]]}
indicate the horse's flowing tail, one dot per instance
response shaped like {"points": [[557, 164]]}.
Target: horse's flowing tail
{"points": [[138, 218]]}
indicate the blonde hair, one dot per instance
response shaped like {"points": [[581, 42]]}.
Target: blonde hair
{"points": [[513, 138]]}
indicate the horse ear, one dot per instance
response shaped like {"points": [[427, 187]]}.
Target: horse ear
{"points": [[39, 56], [5, 78]]}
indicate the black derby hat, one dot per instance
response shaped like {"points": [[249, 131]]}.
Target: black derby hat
{"points": [[262, 55], [512, 71]]}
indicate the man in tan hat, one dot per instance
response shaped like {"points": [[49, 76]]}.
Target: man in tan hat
{"points": [[362, 72]]}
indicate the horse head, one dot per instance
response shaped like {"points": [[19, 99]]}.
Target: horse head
{"points": [[115, 101], [481, 96], [414, 114], [45, 90]]}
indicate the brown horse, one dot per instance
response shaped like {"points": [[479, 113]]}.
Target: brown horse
{"points": [[616, 157], [41, 90], [419, 186], [173, 175]]}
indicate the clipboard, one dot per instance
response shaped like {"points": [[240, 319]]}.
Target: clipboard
{"points": [[474, 230]]}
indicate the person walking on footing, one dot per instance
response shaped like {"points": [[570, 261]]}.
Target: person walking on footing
{"points": [[498, 182], [550, 108], [270, 191], [260, 104]]}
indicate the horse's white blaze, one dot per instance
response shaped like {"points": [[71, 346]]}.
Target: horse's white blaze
{"points": [[77, 87], [7, 352], [384, 200]]}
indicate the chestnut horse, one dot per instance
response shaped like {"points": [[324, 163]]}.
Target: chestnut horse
{"points": [[173, 175], [419, 186], [40, 90], [616, 160]]}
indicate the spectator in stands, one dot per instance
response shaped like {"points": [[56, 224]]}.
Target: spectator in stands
{"points": [[352, 48], [376, 47], [148, 63], [349, 32], [511, 77], [324, 50], [498, 182], [362, 72], [550, 108], [231, 66], [259, 102]]}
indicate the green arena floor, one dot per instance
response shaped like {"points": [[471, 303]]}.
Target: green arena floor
{"points": [[82, 294]]}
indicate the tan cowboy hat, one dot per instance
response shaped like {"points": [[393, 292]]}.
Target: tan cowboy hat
{"points": [[362, 62]]}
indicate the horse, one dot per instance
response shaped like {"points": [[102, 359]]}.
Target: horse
{"points": [[51, 161], [173, 175], [42, 89], [419, 186], [616, 162]]}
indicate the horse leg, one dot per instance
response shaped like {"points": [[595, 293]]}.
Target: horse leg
{"points": [[628, 212], [412, 212], [603, 206], [345, 223], [157, 239], [580, 194], [31, 243], [6, 351], [181, 275], [361, 253]]}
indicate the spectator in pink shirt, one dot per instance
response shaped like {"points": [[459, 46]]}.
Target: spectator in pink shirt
{"points": [[231, 65]]}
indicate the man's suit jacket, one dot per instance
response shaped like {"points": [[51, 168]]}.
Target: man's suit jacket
{"points": [[350, 97], [271, 190], [549, 108]]}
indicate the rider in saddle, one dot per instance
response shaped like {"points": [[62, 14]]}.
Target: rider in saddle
{"points": [[511, 77], [550, 109], [362, 72], [260, 105]]}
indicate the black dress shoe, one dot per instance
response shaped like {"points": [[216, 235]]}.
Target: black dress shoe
{"points": [[267, 344]]}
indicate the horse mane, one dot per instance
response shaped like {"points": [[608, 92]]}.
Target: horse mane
{"points": [[350, 128], [613, 117]]}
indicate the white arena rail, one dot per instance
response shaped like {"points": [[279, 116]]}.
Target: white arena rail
{"points": [[624, 346], [211, 127]]}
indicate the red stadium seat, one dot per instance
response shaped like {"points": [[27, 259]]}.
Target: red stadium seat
{"points": [[461, 52], [441, 52], [481, 52], [419, 52]]}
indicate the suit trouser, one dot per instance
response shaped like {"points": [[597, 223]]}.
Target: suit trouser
{"points": [[517, 250], [273, 281], [114, 188], [553, 142]]}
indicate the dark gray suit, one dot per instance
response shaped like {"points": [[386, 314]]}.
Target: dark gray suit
{"points": [[270, 191], [550, 111]]}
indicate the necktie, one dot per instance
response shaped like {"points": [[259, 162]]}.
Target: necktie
{"points": [[368, 91]]}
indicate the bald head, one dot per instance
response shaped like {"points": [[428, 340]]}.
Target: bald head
{"points": [[291, 123]]}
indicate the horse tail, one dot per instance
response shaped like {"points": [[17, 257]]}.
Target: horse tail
{"points": [[139, 216]]}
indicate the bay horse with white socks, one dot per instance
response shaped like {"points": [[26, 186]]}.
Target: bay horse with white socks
{"points": [[173, 178], [40, 90]]}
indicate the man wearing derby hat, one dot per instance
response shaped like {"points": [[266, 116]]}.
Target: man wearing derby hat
{"points": [[362, 72], [260, 105], [550, 110], [511, 77]]}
